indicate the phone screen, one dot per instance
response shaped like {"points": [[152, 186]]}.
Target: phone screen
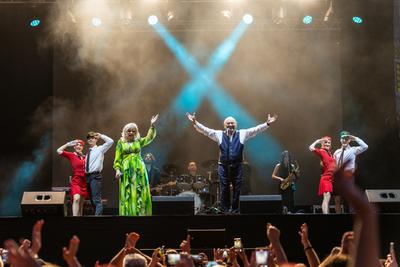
{"points": [[237, 243], [261, 257], [4, 255], [172, 259]]}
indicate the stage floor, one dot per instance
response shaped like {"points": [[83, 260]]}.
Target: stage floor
{"points": [[101, 237]]}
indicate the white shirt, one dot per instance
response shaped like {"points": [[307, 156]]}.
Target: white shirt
{"points": [[244, 134], [350, 153], [97, 154]]}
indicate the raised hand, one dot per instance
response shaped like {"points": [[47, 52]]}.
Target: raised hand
{"points": [[304, 234], [218, 254], [153, 119], [191, 117], [19, 256], [271, 119], [37, 237], [273, 233], [131, 240], [69, 254], [185, 245]]}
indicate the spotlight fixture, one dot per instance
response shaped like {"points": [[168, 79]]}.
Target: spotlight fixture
{"points": [[170, 15], [226, 13], [307, 19], [248, 19], [357, 20], [34, 23], [96, 21], [152, 20]]}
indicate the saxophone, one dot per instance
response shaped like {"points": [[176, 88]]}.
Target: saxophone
{"points": [[293, 173]]}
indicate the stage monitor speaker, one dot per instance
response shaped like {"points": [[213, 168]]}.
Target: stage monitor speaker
{"points": [[261, 204], [173, 205], [387, 200], [44, 203]]}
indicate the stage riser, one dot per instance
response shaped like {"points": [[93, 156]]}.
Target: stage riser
{"points": [[102, 237]]}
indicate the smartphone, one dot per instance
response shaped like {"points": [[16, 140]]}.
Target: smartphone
{"points": [[172, 259], [237, 243], [4, 256], [261, 256], [161, 252]]}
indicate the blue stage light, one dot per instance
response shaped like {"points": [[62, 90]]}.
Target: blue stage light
{"points": [[307, 19], [357, 20], [96, 21], [248, 19], [152, 20], [34, 23]]}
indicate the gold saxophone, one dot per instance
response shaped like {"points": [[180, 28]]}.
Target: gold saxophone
{"points": [[290, 178]]}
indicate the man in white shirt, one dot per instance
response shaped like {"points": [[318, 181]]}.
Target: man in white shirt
{"points": [[94, 166], [347, 154], [230, 164]]}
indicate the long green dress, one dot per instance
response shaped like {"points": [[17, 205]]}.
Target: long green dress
{"points": [[134, 190]]}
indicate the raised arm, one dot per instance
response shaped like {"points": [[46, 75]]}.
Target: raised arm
{"points": [[65, 146], [215, 135], [366, 252], [108, 142], [273, 235], [312, 256], [312, 146], [252, 132], [151, 133], [362, 146]]}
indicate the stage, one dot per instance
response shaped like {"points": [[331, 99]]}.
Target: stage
{"points": [[102, 237]]}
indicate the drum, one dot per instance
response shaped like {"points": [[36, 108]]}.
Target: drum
{"points": [[199, 183], [183, 183], [198, 203]]}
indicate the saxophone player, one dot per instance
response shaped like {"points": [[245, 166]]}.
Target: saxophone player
{"points": [[287, 173]]}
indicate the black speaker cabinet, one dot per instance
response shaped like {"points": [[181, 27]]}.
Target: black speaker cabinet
{"points": [[387, 200], [43, 204], [261, 204], [173, 205]]}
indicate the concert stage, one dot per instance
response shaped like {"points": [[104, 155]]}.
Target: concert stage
{"points": [[102, 237]]}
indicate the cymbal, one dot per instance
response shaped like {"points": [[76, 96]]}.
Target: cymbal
{"points": [[171, 168], [209, 163]]}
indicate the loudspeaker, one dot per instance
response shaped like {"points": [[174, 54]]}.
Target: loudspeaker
{"points": [[44, 203], [260, 204], [173, 205], [388, 200]]}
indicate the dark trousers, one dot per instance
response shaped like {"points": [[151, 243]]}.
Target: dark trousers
{"points": [[288, 199], [230, 173], [94, 187]]}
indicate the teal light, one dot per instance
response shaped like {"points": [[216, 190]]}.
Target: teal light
{"points": [[357, 20], [307, 19], [34, 23]]}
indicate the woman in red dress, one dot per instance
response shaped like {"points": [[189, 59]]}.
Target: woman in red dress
{"points": [[328, 167], [78, 181]]}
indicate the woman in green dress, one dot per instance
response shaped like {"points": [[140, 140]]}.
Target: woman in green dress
{"points": [[134, 190]]}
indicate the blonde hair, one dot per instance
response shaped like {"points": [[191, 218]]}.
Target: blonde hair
{"points": [[128, 126]]}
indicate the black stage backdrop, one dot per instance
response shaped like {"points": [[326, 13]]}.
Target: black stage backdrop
{"points": [[317, 81]]}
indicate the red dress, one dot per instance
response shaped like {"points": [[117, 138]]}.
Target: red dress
{"points": [[328, 167], [78, 181]]}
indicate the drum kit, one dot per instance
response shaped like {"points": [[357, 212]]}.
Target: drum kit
{"points": [[204, 189]]}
